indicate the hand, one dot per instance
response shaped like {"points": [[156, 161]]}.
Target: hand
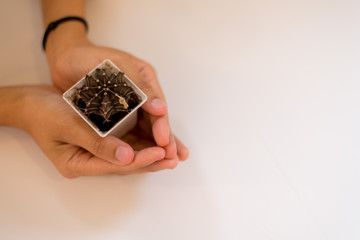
{"points": [[75, 149], [72, 62]]}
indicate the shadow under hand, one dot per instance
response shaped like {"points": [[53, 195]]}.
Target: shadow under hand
{"points": [[90, 202], [98, 201]]}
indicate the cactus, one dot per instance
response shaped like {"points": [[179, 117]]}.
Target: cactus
{"points": [[105, 97]]}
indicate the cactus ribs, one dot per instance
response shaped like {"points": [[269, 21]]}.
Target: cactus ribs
{"points": [[106, 97]]}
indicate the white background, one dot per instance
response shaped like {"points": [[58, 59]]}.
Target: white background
{"points": [[264, 93]]}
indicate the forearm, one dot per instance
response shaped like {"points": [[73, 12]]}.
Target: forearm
{"points": [[67, 33], [13, 103], [55, 9]]}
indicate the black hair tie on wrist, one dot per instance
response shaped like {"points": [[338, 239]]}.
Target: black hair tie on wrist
{"points": [[54, 24]]}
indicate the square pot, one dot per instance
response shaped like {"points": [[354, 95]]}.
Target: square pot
{"points": [[106, 99]]}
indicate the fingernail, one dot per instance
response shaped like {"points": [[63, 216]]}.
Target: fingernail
{"points": [[122, 154], [158, 103]]}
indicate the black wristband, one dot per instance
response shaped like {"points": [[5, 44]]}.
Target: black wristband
{"points": [[54, 24]]}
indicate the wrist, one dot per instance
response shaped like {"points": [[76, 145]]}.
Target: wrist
{"points": [[14, 102], [66, 32], [64, 36]]}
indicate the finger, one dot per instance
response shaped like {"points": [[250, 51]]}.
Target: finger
{"points": [[182, 150], [108, 148], [160, 130], [145, 78], [138, 142], [160, 165], [142, 159], [146, 157], [83, 163], [171, 149], [155, 106], [143, 75], [156, 128], [148, 80]]}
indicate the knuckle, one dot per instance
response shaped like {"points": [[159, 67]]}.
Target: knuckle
{"points": [[149, 67], [145, 87], [148, 73], [98, 146], [63, 166], [70, 166]]}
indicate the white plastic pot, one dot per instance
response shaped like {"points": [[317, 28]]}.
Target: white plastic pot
{"points": [[123, 125]]}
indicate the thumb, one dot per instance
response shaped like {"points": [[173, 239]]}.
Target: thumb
{"points": [[108, 148]]}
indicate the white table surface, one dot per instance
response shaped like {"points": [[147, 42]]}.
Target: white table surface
{"points": [[264, 93]]}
